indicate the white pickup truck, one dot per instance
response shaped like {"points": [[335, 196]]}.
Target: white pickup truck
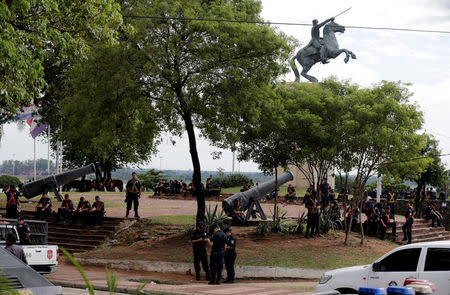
{"points": [[42, 258], [424, 261]]}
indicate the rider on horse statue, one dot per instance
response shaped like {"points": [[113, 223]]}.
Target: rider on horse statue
{"points": [[316, 41], [320, 49]]}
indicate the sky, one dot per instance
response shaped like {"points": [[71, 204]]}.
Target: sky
{"points": [[421, 59]]}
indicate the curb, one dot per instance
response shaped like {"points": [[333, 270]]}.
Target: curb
{"points": [[243, 271], [97, 287]]}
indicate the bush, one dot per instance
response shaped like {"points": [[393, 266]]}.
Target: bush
{"points": [[230, 180], [8, 179], [280, 225]]}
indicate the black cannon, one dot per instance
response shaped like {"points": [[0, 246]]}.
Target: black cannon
{"points": [[51, 183], [249, 199]]}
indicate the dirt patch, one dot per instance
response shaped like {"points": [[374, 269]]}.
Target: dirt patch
{"points": [[147, 241]]}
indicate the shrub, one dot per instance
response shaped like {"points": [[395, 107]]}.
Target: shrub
{"points": [[230, 180], [8, 179], [214, 216]]}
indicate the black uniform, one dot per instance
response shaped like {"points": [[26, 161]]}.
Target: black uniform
{"points": [[83, 209], [389, 221], [44, 212], [407, 227], [200, 255], [312, 222], [133, 191], [391, 199], [65, 211], [324, 189], [219, 240], [230, 258], [24, 234], [98, 213], [12, 201]]}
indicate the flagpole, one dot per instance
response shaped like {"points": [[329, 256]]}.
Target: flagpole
{"points": [[34, 140], [48, 151]]}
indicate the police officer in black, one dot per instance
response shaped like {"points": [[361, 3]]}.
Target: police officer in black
{"points": [[199, 240], [217, 243], [387, 219], [12, 201], [230, 255], [312, 220], [24, 231], [133, 194], [407, 227]]}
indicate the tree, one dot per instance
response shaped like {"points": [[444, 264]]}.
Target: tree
{"points": [[203, 75], [382, 130], [149, 179], [105, 120], [433, 173], [30, 31]]}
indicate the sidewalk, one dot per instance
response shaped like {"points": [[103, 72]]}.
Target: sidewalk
{"points": [[242, 271], [128, 281]]}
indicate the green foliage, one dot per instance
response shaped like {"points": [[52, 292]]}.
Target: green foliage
{"points": [[106, 120], [111, 281], [279, 224], [230, 180], [213, 216], [326, 220], [8, 179], [21, 167], [149, 179], [31, 31]]}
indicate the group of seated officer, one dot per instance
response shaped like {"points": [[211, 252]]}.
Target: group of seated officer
{"points": [[379, 217], [170, 187], [174, 187], [87, 213]]}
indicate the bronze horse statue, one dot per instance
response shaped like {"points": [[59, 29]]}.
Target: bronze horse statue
{"points": [[310, 55]]}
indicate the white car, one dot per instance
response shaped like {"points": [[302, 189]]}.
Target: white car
{"points": [[42, 258], [424, 261]]}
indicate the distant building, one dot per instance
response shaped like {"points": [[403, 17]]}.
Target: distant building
{"points": [[300, 181]]}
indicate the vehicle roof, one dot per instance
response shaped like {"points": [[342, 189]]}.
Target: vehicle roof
{"points": [[435, 243]]}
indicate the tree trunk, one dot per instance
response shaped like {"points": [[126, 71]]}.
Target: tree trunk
{"points": [[418, 202], [196, 176], [349, 225], [276, 194], [361, 223]]}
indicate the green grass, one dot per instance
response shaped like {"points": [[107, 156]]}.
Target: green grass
{"points": [[173, 220]]}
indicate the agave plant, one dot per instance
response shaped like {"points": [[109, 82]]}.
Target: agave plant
{"points": [[214, 216]]}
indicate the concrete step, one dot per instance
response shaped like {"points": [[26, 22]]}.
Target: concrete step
{"points": [[86, 240]]}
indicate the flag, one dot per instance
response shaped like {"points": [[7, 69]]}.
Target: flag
{"points": [[36, 127], [28, 112]]}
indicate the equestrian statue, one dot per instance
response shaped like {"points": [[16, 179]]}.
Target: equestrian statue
{"points": [[320, 49]]}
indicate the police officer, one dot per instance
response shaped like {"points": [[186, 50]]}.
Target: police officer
{"points": [[83, 209], [66, 210], [407, 227], [44, 207], [12, 201], [230, 255], [97, 211], [387, 219], [391, 199], [133, 194], [217, 244], [313, 216], [199, 240], [24, 231]]}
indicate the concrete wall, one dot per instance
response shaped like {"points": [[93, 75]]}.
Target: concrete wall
{"points": [[300, 181]]}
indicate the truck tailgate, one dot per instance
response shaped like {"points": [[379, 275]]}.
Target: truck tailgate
{"points": [[41, 254]]}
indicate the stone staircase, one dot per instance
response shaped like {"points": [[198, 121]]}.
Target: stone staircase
{"points": [[422, 232], [78, 237]]}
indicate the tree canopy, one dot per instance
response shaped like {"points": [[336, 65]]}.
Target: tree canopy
{"points": [[104, 118], [31, 31], [203, 75]]}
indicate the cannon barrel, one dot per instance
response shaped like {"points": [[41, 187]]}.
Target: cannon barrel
{"points": [[255, 193], [35, 188]]}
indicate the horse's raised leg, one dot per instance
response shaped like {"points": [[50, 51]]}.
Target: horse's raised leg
{"points": [[305, 70]]}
